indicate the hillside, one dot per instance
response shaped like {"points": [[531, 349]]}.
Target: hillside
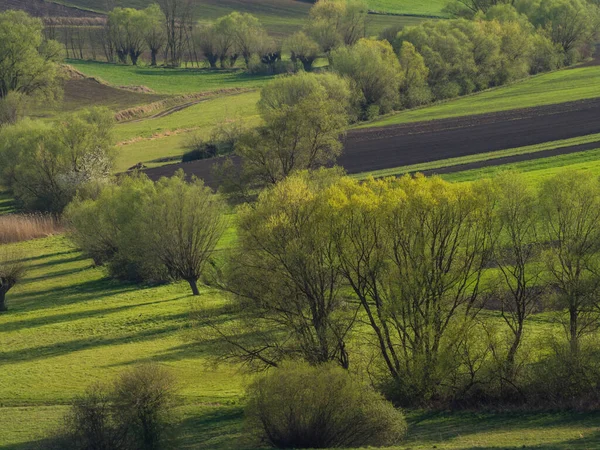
{"points": [[275, 7]]}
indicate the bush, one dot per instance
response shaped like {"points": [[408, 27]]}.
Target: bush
{"points": [[133, 414], [299, 406], [144, 398]]}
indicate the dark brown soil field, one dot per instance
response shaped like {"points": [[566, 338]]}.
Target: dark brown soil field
{"points": [[388, 147], [41, 8]]}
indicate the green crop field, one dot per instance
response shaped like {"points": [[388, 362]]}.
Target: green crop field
{"points": [[70, 326], [546, 89]]}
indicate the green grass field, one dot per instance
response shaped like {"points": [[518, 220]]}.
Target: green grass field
{"points": [[284, 17], [413, 7], [275, 8], [169, 81], [536, 170], [546, 89]]}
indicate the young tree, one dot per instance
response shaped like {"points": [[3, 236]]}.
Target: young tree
{"points": [[304, 116], [302, 48], [11, 273], [184, 223], [28, 63], [154, 33], [374, 71], [570, 208]]}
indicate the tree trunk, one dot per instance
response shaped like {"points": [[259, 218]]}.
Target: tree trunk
{"points": [[154, 52], [573, 338], [194, 285], [3, 307]]}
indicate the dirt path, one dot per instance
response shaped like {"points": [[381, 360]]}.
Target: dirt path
{"points": [[373, 149]]}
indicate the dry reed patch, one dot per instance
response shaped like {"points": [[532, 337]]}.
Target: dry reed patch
{"points": [[24, 227]]}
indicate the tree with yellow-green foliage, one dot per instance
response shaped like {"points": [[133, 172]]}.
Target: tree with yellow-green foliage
{"points": [[28, 62], [375, 74]]}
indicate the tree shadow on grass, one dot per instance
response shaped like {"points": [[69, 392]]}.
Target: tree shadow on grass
{"points": [[436, 428], [72, 316], [67, 295], [219, 427], [63, 348]]}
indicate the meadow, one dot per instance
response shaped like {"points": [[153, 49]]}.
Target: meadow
{"points": [[70, 326]]}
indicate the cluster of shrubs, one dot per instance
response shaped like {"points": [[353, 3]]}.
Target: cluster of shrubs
{"points": [[294, 406], [421, 260], [134, 413]]}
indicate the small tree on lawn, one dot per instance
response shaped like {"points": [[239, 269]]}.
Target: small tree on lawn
{"points": [[11, 272], [185, 222]]}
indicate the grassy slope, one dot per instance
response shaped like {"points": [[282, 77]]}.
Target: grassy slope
{"points": [[550, 88], [201, 118], [292, 8], [69, 326], [417, 7], [169, 81], [539, 169], [280, 17]]}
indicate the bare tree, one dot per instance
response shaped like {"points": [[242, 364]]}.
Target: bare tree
{"points": [[178, 16]]}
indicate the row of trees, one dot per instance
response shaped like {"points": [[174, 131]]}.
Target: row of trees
{"points": [[418, 261]]}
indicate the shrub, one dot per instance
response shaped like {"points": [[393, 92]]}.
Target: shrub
{"points": [[132, 414], [144, 397], [299, 406]]}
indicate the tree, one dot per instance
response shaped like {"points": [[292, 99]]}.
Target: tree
{"points": [[150, 232], [336, 22], [374, 71], [414, 90], [154, 33], [568, 23], [28, 63], [286, 277], [129, 27], [184, 223], [46, 164], [570, 208], [207, 40], [304, 116], [11, 273], [248, 35], [178, 18], [302, 48], [517, 257], [413, 251]]}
